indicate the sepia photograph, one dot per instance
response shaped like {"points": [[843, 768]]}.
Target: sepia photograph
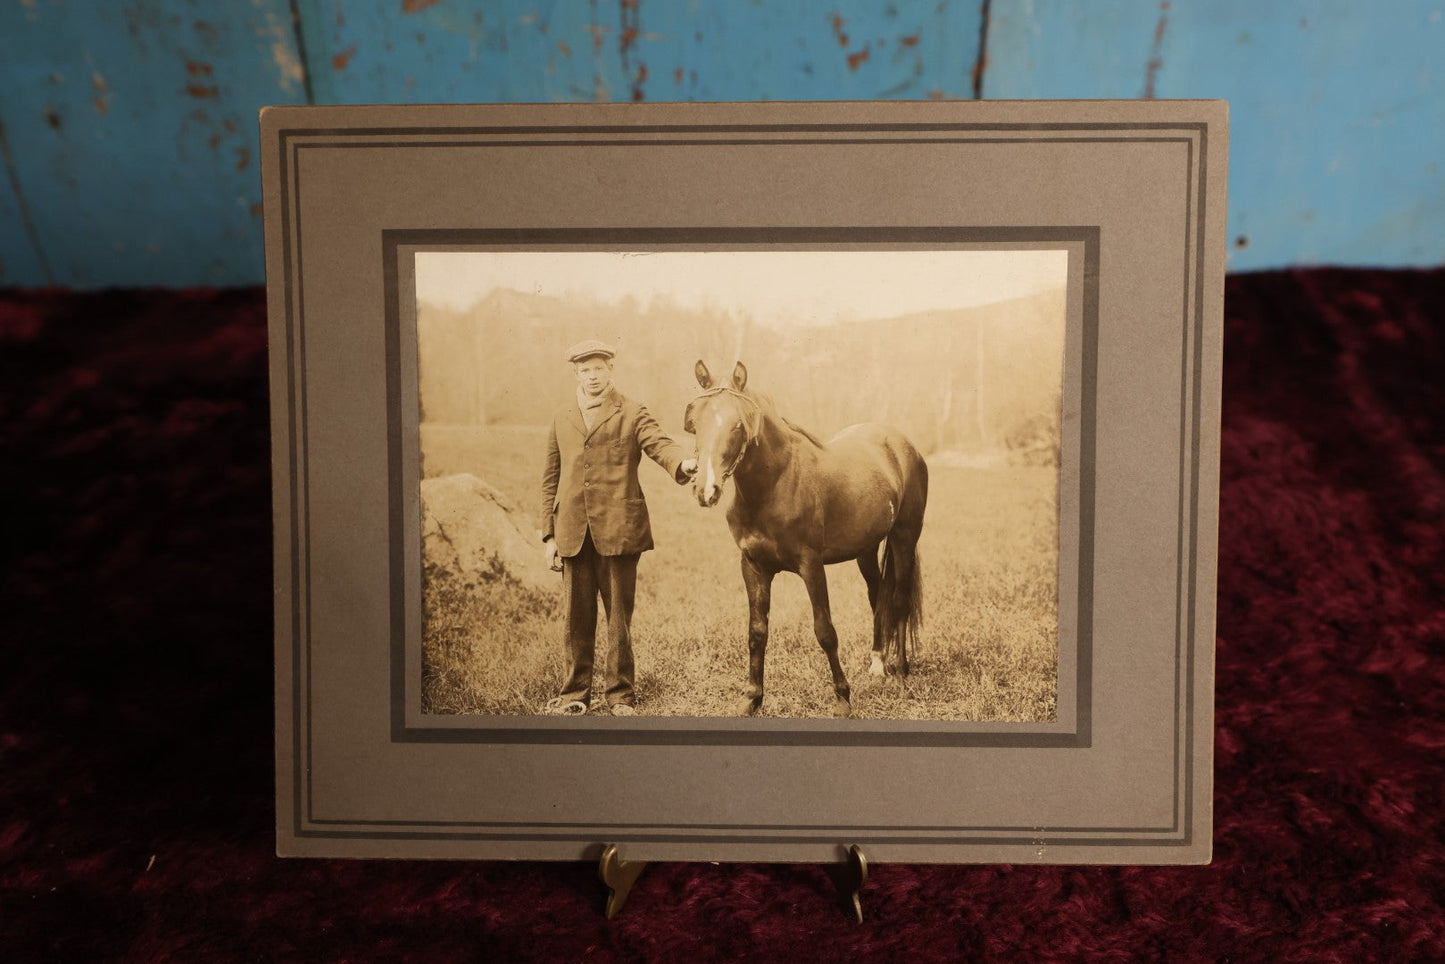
{"points": [[781, 483], [640, 500]]}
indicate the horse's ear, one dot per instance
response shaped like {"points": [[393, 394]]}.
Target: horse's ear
{"points": [[689, 418], [740, 377], [704, 377]]}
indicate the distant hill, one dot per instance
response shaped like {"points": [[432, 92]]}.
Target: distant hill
{"points": [[969, 379]]}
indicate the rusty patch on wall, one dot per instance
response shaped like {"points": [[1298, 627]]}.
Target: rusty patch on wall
{"points": [[630, 12]]}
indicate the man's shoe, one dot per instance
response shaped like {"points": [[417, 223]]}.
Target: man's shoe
{"points": [[561, 706]]}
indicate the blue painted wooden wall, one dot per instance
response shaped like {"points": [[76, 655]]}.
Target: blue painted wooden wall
{"points": [[128, 129]]}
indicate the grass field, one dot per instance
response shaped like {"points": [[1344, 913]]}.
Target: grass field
{"points": [[989, 647]]}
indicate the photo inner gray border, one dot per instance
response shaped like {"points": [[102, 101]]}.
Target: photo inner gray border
{"points": [[399, 250], [1189, 435]]}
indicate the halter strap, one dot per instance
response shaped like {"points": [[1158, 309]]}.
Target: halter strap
{"points": [[756, 429], [754, 432]]}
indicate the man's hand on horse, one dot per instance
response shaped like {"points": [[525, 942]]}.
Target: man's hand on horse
{"points": [[688, 469]]}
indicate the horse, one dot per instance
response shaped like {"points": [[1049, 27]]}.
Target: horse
{"points": [[801, 504]]}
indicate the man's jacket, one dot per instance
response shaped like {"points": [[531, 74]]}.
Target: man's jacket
{"points": [[590, 479]]}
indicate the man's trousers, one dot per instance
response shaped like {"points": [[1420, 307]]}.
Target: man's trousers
{"points": [[585, 577]]}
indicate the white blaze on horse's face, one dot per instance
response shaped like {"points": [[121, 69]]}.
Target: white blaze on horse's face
{"points": [[722, 437], [709, 484]]}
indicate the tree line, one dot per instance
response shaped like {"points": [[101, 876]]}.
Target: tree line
{"points": [[984, 379]]}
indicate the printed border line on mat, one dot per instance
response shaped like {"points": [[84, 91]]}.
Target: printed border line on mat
{"points": [[296, 341], [944, 734]]}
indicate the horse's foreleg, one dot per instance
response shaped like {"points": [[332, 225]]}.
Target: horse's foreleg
{"points": [[816, 579], [873, 576], [759, 583]]}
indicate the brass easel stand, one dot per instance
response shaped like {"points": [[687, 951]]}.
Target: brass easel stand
{"points": [[849, 877], [619, 875]]}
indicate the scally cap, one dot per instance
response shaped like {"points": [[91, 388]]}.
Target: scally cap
{"points": [[589, 349]]}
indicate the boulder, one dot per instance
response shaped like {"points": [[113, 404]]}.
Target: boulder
{"points": [[475, 534]]}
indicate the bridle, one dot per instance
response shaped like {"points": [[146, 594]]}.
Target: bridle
{"points": [[754, 431]]}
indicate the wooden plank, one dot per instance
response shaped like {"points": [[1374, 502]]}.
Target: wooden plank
{"points": [[1337, 109], [131, 127], [132, 134], [518, 51], [21, 261]]}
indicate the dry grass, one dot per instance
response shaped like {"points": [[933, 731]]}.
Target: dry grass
{"points": [[989, 648]]}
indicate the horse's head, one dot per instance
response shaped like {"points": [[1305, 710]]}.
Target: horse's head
{"points": [[725, 422]]}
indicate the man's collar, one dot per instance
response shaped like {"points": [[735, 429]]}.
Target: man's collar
{"points": [[587, 401]]}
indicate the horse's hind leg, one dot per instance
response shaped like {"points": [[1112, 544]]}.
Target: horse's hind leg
{"points": [[868, 566], [759, 583], [816, 579], [873, 576]]}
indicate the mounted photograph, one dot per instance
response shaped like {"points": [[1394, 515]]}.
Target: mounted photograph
{"points": [[790, 483], [742, 482]]}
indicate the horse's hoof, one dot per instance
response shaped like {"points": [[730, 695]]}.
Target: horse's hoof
{"points": [[842, 709], [875, 668], [750, 706]]}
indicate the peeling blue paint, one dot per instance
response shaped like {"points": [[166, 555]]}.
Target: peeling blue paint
{"points": [[1337, 110], [588, 50], [132, 133]]}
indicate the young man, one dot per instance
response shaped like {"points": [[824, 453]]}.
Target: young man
{"points": [[594, 520]]}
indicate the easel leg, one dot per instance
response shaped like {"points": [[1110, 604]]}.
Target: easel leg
{"points": [[619, 875], [850, 876]]}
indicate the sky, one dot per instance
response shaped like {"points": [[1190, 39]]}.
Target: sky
{"points": [[781, 288]]}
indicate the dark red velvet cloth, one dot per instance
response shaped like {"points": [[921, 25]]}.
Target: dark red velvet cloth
{"points": [[135, 693]]}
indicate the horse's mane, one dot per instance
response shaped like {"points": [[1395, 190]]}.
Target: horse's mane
{"points": [[804, 432], [765, 402]]}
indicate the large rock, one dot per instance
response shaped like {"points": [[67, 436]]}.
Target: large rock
{"points": [[473, 532]]}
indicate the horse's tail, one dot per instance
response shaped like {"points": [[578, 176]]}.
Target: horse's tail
{"points": [[900, 602]]}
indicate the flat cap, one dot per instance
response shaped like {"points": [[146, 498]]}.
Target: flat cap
{"points": [[588, 349]]}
